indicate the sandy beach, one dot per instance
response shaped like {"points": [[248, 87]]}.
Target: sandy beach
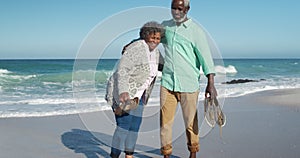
{"points": [[263, 124]]}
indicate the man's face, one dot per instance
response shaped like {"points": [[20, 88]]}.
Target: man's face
{"points": [[179, 11]]}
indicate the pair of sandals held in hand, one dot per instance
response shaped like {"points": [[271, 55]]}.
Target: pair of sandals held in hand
{"points": [[124, 108], [213, 113]]}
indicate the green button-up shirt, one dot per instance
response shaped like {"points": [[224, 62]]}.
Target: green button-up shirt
{"points": [[186, 49]]}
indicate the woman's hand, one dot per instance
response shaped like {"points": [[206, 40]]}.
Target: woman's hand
{"points": [[124, 97], [118, 111]]}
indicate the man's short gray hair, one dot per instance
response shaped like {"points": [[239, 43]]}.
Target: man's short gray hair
{"points": [[186, 3], [151, 27]]}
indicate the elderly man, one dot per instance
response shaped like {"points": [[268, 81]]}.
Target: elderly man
{"points": [[186, 50]]}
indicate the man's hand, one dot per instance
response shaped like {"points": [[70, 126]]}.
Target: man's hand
{"points": [[210, 91]]}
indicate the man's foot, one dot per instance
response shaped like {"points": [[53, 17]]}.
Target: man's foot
{"points": [[192, 155]]}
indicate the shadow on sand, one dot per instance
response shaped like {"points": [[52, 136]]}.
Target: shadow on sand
{"points": [[93, 144]]}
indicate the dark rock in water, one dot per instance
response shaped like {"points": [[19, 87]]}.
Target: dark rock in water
{"points": [[242, 81]]}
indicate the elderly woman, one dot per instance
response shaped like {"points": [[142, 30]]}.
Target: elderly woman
{"points": [[129, 88]]}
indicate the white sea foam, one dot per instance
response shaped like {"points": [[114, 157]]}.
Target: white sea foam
{"points": [[19, 77], [4, 71], [54, 101], [249, 88], [55, 83], [230, 69], [43, 114], [51, 107], [9, 75]]}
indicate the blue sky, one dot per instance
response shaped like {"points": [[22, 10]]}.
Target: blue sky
{"points": [[241, 29]]}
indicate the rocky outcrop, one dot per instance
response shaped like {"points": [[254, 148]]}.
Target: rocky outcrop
{"points": [[242, 81]]}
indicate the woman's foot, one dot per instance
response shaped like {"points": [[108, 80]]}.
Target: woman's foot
{"points": [[128, 156], [166, 156]]}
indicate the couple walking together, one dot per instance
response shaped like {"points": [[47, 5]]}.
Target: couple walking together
{"points": [[129, 88]]}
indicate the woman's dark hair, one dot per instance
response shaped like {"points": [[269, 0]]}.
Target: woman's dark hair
{"points": [[151, 27]]}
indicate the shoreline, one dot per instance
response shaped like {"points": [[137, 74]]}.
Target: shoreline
{"points": [[280, 93], [261, 124]]}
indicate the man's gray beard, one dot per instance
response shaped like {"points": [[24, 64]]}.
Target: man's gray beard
{"points": [[181, 19]]}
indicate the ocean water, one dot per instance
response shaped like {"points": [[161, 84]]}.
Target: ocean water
{"points": [[35, 88]]}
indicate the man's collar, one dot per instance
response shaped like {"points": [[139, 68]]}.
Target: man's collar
{"points": [[184, 24], [187, 23]]}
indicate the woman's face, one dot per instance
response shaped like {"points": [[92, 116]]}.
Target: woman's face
{"points": [[153, 40]]}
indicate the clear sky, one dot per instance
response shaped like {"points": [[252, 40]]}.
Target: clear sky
{"points": [[241, 28]]}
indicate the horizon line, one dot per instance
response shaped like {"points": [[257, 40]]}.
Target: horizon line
{"points": [[118, 58]]}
